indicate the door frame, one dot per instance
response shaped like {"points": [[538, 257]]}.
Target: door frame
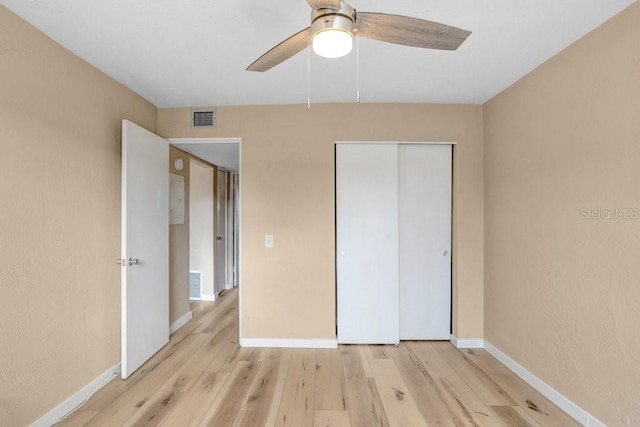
{"points": [[453, 144], [233, 140]]}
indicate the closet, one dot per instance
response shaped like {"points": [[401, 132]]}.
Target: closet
{"points": [[393, 242]]}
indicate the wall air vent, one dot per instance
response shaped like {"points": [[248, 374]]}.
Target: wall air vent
{"points": [[195, 284], [203, 118]]}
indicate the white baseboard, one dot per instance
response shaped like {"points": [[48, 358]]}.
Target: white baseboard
{"points": [[543, 388], [467, 342], [180, 322], [228, 286], [582, 416], [208, 297], [57, 413], [287, 343]]}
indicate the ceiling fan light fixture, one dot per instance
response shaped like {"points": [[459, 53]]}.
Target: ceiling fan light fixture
{"points": [[332, 43]]}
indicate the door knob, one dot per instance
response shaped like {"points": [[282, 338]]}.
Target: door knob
{"points": [[219, 238], [134, 261]]}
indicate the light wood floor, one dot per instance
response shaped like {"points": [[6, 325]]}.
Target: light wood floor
{"points": [[202, 377]]}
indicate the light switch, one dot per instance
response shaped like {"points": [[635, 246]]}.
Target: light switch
{"points": [[268, 240]]}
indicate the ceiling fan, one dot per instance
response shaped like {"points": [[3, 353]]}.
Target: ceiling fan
{"points": [[334, 24]]}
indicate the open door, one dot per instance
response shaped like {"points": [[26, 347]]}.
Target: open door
{"points": [[145, 245]]}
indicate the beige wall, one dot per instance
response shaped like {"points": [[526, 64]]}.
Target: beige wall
{"points": [[288, 190], [179, 245], [60, 124], [562, 295]]}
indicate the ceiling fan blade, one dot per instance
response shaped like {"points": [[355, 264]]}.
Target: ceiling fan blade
{"points": [[324, 4], [282, 51], [409, 31]]}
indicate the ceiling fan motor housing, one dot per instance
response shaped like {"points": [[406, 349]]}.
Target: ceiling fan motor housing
{"points": [[332, 19]]}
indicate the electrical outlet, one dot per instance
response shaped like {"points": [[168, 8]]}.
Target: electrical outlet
{"points": [[268, 240]]}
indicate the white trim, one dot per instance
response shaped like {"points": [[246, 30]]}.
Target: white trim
{"points": [[467, 342], [594, 422], [228, 286], [235, 140], [239, 266], [395, 142], [288, 343], [77, 399], [180, 322], [208, 297], [545, 389]]}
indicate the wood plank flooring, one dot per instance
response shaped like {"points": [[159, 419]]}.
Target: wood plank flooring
{"points": [[203, 378]]}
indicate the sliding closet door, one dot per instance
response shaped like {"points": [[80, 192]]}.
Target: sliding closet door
{"points": [[425, 241], [367, 243]]}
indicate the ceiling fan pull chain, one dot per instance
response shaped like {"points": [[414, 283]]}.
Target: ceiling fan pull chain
{"points": [[309, 73], [357, 67]]}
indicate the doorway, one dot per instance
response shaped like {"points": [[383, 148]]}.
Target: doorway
{"points": [[219, 225], [167, 246]]}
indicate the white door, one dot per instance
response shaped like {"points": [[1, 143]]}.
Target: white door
{"points": [[145, 245], [202, 237], [236, 228], [425, 241], [367, 243], [221, 232]]}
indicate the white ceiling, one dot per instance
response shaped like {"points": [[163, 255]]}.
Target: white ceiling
{"points": [[194, 52], [225, 155]]}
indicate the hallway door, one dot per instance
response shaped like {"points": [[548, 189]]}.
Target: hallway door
{"points": [[221, 231]]}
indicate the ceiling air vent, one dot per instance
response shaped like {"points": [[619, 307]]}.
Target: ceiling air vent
{"points": [[203, 118]]}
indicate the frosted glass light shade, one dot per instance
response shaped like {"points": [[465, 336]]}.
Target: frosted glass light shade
{"points": [[332, 43]]}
